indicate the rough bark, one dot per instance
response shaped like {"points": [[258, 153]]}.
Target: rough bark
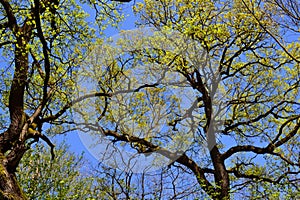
{"points": [[12, 147], [9, 187]]}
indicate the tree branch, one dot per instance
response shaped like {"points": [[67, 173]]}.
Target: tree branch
{"points": [[270, 33], [182, 159], [12, 22], [239, 174]]}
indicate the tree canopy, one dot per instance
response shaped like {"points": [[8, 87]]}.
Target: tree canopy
{"points": [[207, 90]]}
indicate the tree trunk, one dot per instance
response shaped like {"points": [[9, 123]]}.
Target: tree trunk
{"points": [[221, 175], [9, 187], [12, 145]]}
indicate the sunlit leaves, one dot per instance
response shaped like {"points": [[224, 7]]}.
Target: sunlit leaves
{"points": [[259, 76], [160, 83], [42, 178]]}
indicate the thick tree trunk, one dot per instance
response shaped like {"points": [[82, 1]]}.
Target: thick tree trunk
{"points": [[12, 145], [9, 187], [221, 175]]}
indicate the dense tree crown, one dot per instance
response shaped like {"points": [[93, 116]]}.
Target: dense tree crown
{"points": [[207, 90]]}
